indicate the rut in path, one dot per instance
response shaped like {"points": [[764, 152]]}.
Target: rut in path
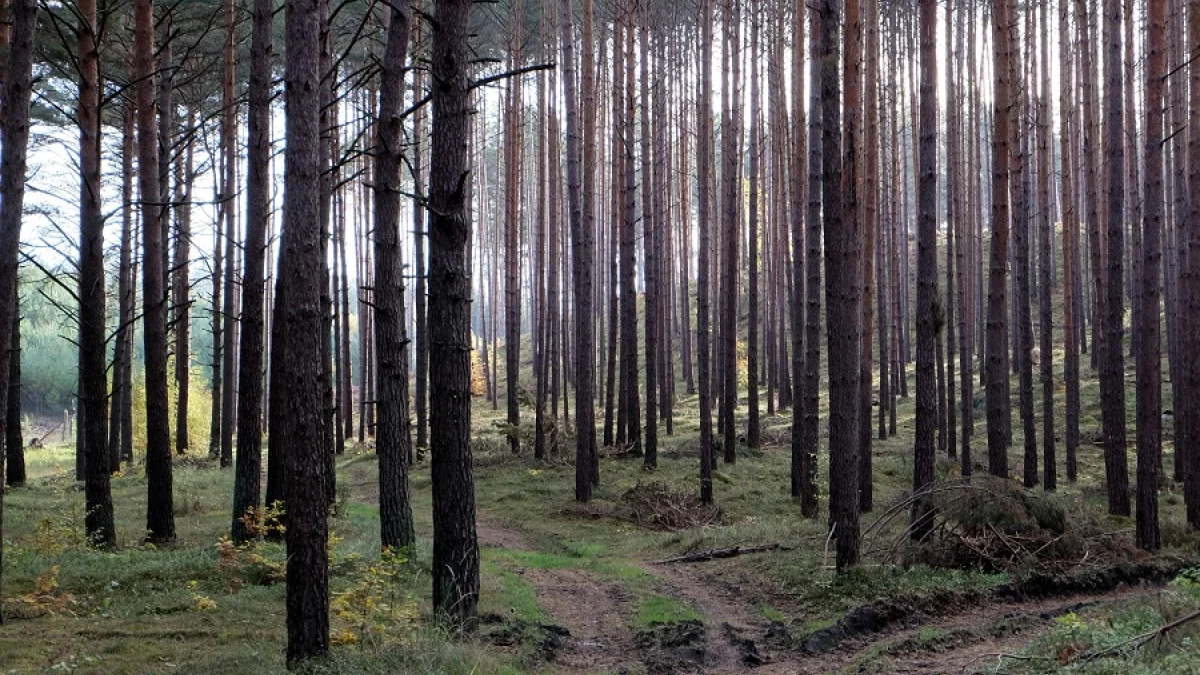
{"points": [[596, 612], [736, 639]]}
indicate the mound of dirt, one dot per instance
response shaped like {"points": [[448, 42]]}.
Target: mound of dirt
{"points": [[672, 648]]}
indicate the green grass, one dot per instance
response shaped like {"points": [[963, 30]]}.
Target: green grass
{"points": [[660, 609]]}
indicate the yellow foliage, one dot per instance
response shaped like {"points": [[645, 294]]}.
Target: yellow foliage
{"points": [[199, 409], [202, 602], [45, 596], [376, 610]]}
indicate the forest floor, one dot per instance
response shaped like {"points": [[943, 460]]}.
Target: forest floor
{"points": [[570, 588]]}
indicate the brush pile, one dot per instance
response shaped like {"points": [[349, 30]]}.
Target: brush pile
{"points": [[996, 526], [656, 506]]}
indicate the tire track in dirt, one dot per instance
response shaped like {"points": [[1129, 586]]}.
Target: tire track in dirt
{"points": [[974, 636], [596, 612]]}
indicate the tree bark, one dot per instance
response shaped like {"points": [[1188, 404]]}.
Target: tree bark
{"points": [[14, 137], [298, 417], [248, 472], [842, 264], [1149, 349], [929, 310], [998, 387], [455, 548], [160, 512], [392, 433], [583, 257], [704, 223], [1112, 360]]}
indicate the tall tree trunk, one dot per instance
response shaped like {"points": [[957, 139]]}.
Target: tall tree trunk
{"points": [[512, 235], [802, 475], [93, 381], [421, 401], [650, 236], [752, 255], [928, 310], [455, 548], [1022, 346], [1045, 258], [393, 434], [298, 417], [14, 137], [731, 175], [14, 443], [160, 512], [1112, 360], [810, 398], [181, 289], [870, 214], [230, 318], [122, 341], [1149, 350], [998, 387], [630, 408], [582, 249], [704, 226], [1072, 328], [1188, 413], [248, 473], [842, 264]]}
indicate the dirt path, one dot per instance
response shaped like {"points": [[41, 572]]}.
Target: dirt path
{"points": [[966, 640], [596, 612]]}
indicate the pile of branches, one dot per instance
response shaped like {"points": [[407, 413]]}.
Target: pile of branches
{"points": [[995, 525], [656, 506]]}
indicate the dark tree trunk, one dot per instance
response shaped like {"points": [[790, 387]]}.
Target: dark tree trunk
{"points": [[230, 318], [1070, 229], [181, 291], [393, 439], [629, 409], [998, 387], [1112, 359], [802, 474], [731, 176], [298, 417], [870, 213], [752, 255], [160, 510], [1188, 406], [583, 257], [93, 381], [1149, 351], [246, 486], [421, 400], [1022, 346], [810, 389], [842, 264], [650, 236], [1045, 260], [512, 235], [14, 137], [928, 310], [455, 548], [704, 223], [14, 443]]}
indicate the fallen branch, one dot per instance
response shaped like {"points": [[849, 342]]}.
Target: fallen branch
{"points": [[722, 553], [1137, 641]]}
